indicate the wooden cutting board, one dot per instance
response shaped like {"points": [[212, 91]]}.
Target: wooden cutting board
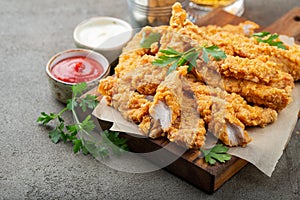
{"points": [[190, 166]]}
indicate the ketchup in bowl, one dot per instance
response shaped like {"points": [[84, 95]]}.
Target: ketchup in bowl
{"points": [[69, 67], [77, 69]]}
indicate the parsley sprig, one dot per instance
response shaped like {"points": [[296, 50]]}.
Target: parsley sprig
{"points": [[147, 41], [214, 51], [109, 141], [216, 153], [269, 38], [174, 59]]}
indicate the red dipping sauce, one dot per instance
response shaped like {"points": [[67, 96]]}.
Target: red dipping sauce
{"points": [[77, 69]]}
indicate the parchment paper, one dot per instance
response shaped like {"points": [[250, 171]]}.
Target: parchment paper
{"points": [[267, 143]]}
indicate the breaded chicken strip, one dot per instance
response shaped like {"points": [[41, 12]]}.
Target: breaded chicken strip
{"points": [[257, 93], [189, 129], [228, 114], [251, 115], [255, 71], [220, 116], [167, 101], [176, 113], [247, 114]]}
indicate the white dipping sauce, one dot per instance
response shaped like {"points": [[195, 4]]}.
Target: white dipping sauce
{"points": [[104, 32]]}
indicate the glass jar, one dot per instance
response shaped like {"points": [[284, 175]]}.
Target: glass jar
{"points": [[198, 8], [152, 12]]}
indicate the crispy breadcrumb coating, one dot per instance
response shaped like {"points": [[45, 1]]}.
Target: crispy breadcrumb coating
{"points": [[222, 97], [237, 40], [177, 114], [258, 93], [189, 130]]}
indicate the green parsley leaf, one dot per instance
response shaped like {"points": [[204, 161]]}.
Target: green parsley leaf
{"points": [[89, 101], [220, 157], [45, 118], [191, 58], [83, 105], [97, 150], [216, 153], [164, 60], [73, 129], [279, 45], [71, 104], [147, 41], [87, 124], [84, 150], [170, 51], [272, 37], [116, 140], [219, 148], [262, 37], [60, 119], [261, 34], [79, 88], [102, 151], [77, 145], [173, 67], [214, 51], [57, 134], [174, 59], [205, 56], [119, 145]]}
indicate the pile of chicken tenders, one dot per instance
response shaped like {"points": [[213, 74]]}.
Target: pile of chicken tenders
{"points": [[221, 97]]}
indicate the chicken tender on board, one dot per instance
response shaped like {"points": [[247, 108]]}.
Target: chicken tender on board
{"points": [[257, 93], [177, 114]]}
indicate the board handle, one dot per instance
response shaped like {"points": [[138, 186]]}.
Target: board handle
{"points": [[288, 24]]}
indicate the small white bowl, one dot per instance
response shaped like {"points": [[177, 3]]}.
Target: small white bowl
{"points": [[61, 90], [106, 35]]}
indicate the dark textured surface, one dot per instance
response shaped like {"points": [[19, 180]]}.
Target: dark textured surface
{"points": [[32, 167]]}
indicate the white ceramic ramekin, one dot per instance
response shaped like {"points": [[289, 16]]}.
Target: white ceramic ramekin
{"points": [[106, 35]]}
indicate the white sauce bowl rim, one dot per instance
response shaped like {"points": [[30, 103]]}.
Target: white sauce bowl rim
{"points": [[86, 22]]}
